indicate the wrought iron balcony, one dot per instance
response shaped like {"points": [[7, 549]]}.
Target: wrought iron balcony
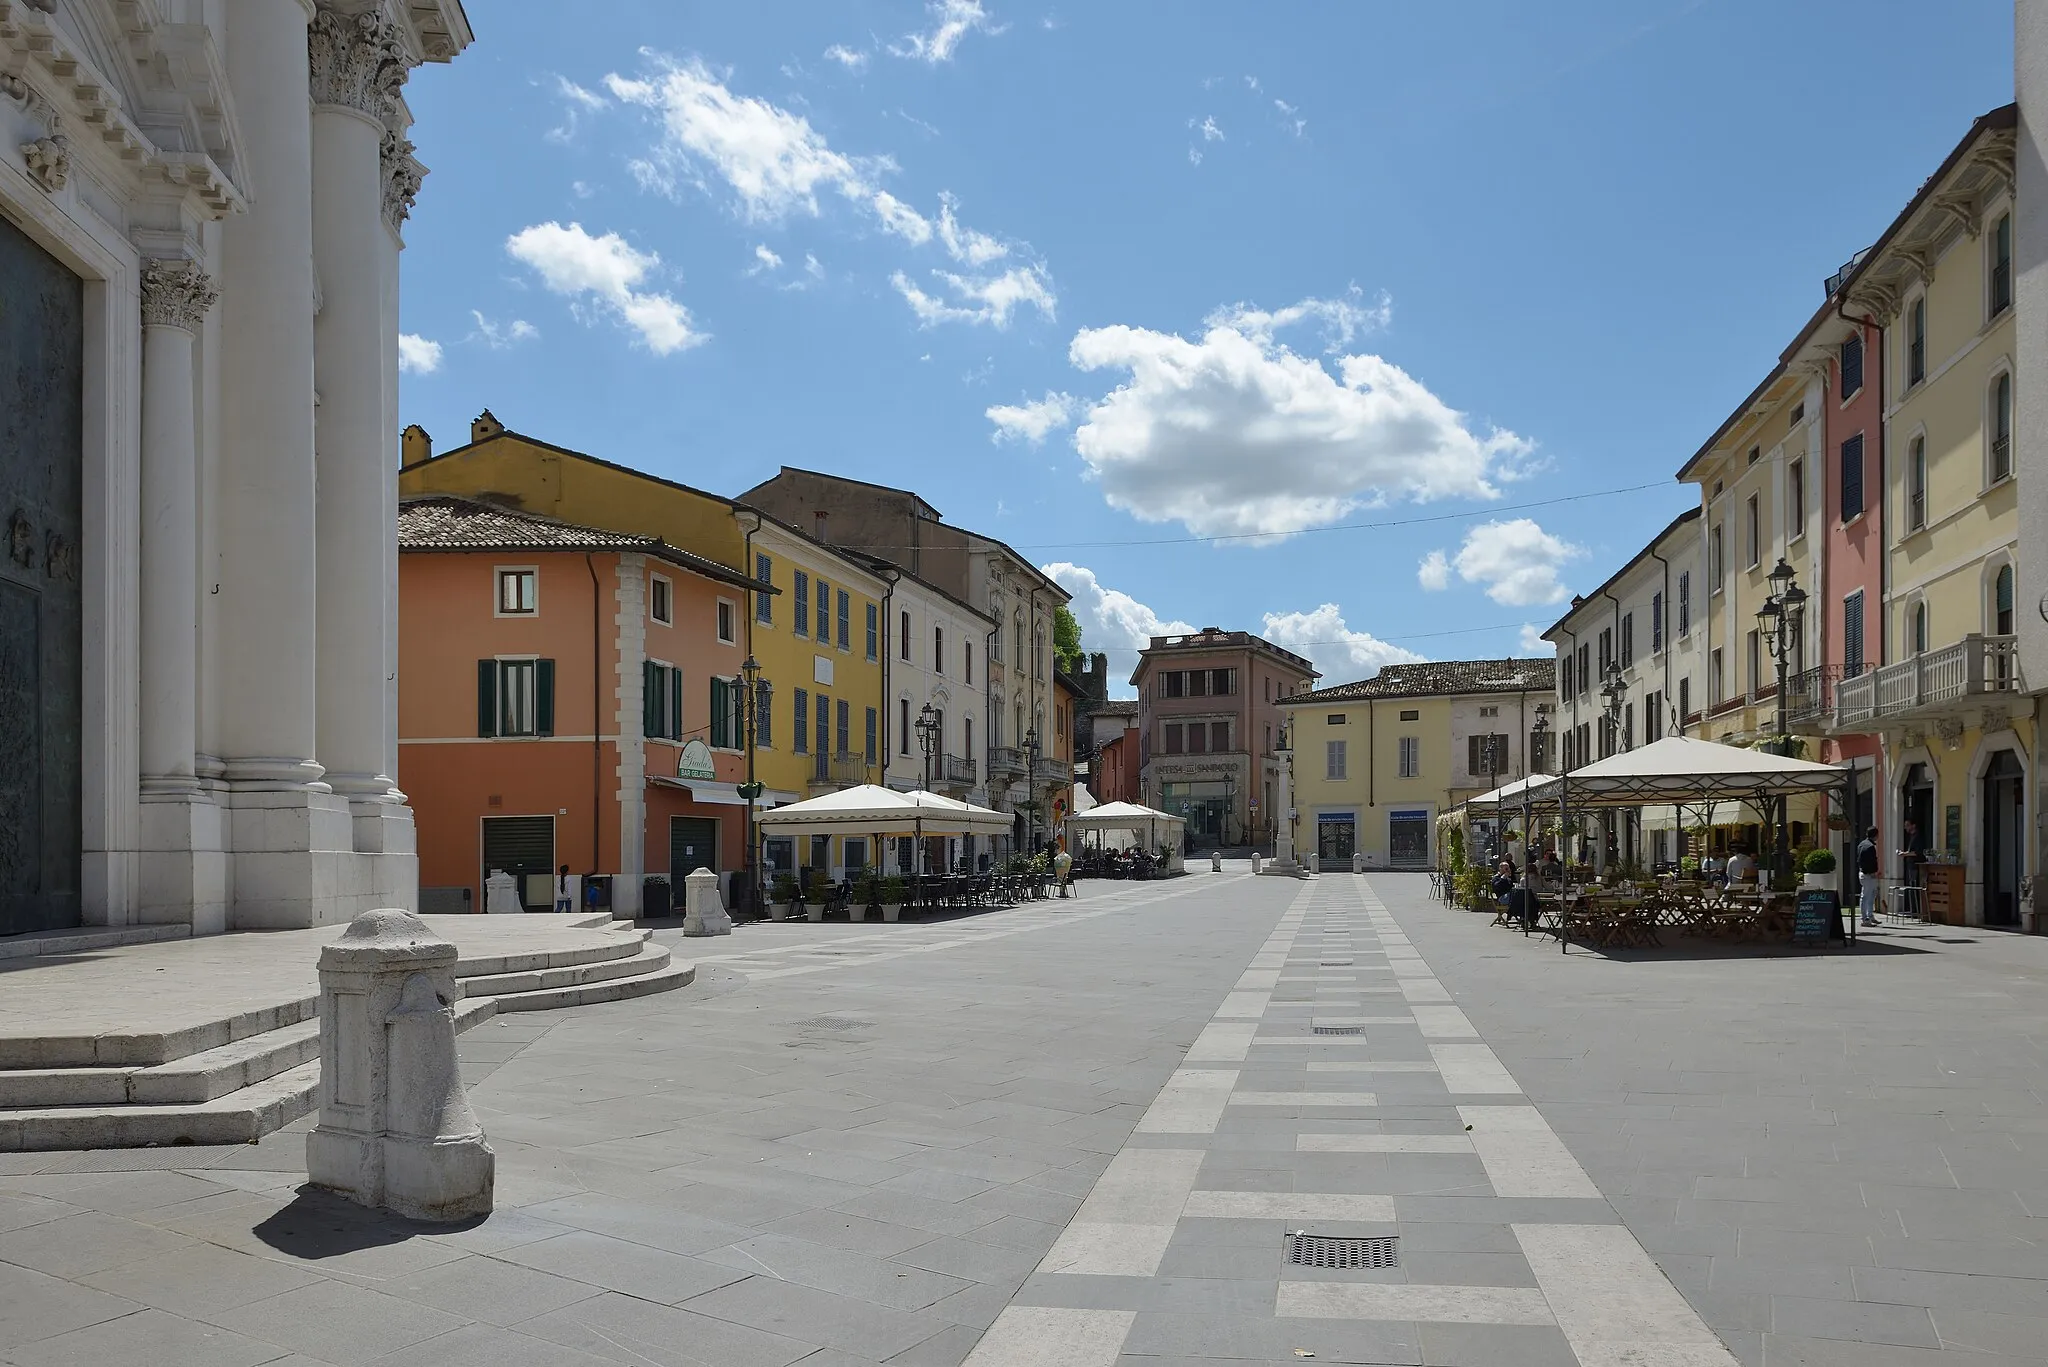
{"points": [[956, 769], [1810, 696], [830, 773], [1930, 683], [1005, 762]]}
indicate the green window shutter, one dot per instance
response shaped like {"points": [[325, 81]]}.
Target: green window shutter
{"points": [[675, 705], [719, 739], [487, 697], [544, 697], [650, 698]]}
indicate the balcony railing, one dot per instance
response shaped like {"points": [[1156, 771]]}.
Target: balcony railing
{"points": [[1810, 695], [1052, 771], [1973, 667], [1005, 762], [832, 772], [956, 769]]}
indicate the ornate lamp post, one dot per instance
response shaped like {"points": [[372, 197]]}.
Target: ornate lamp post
{"points": [[1779, 621], [1536, 734], [750, 705], [928, 724], [1031, 748]]}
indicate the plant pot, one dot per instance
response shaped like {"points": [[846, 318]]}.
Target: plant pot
{"points": [[892, 912], [779, 911], [815, 913], [856, 913], [1826, 880]]}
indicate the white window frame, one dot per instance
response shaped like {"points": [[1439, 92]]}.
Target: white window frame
{"points": [[666, 697], [498, 574], [1753, 530], [726, 621], [1336, 761], [1916, 471], [1409, 750], [661, 586], [532, 695], [1795, 507], [1907, 384], [2001, 208], [2003, 366]]}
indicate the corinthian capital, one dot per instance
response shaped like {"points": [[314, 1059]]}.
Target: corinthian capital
{"points": [[356, 61], [402, 177], [175, 293]]}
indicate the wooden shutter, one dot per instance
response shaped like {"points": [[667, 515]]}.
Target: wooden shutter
{"points": [[650, 698], [675, 705], [721, 715], [543, 697], [1852, 477], [1852, 634], [487, 697]]}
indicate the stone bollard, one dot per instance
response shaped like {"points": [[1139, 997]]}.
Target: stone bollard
{"points": [[396, 1132], [1255, 861], [1315, 863], [1358, 863], [703, 909], [1215, 861], [501, 894]]}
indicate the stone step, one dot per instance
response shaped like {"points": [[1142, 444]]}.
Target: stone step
{"points": [[85, 939], [241, 1117], [647, 958], [623, 945]]}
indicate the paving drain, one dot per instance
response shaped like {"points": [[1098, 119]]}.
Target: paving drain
{"points": [[1338, 1029], [1335, 963], [1312, 1250], [832, 1023]]}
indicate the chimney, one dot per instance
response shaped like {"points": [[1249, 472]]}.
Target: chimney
{"points": [[819, 519], [485, 426], [414, 446]]}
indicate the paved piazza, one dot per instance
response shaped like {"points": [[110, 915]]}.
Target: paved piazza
{"points": [[1083, 1134]]}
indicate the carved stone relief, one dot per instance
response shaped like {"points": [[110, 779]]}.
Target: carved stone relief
{"points": [[356, 61], [402, 177], [175, 293]]}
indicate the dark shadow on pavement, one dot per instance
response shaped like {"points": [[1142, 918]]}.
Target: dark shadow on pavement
{"points": [[318, 1224]]}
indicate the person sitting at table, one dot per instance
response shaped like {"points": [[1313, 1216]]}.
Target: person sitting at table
{"points": [[1741, 867], [1712, 869], [1504, 879], [1549, 873]]}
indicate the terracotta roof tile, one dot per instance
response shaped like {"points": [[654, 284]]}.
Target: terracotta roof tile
{"points": [[444, 522], [1438, 677]]}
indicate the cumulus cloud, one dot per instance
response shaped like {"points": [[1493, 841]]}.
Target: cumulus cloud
{"points": [[417, 355], [1532, 641], [1236, 433], [1339, 652], [1434, 573], [991, 299], [766, 259], [498, 336], [1516, 562], [952, 20], [1032, 420], [847, 57], [604, 273], [1111, 620]]}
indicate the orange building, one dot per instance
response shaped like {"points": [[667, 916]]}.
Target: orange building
{"points": [[566, 695]]}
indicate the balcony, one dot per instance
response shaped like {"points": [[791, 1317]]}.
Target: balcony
{"points": [[830, 773], [1052, 773], [1810, 697], [955, 770], [1005, 762], [1930, 684]]}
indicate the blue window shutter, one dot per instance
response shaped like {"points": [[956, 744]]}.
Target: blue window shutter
{"points": [[544, 697], [487, 697]]}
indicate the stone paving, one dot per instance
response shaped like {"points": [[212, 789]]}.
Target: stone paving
{"points": [[1083, 1132]]}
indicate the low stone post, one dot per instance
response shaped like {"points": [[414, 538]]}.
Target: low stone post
{"points": [[1315, 863], [1215, 861], [1358, 863], [396, 1132], [1255, 861], [703, 909], [501, 894]]}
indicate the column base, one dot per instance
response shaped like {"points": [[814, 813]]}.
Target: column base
{"points": [[294, 862], [258, 773], [181, 863]]}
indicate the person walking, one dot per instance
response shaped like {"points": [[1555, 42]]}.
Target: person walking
{"points": [[1866, 873], [565, 896], [1063, 867]]}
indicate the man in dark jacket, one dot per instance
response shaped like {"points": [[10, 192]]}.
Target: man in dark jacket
{"points": [[1866, 871]]}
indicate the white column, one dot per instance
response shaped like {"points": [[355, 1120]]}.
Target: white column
{"points": [[356, 66], [175, 297], [402, 177], [267, 582]]}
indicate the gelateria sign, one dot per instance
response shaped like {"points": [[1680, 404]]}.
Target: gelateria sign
{"points": [[695, 761]]}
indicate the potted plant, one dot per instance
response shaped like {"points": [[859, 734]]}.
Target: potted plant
{"points": [[816, 890], [782, 905], [866, 894], [893, 892], [1818, 869]]}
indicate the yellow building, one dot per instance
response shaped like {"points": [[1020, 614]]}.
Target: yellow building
{"points": [[1375, 761], [1948, 701], [820, 695]]}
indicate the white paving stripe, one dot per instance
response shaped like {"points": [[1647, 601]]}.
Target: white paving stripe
{"points": [[1289, 1205], [1191, 1102], [1223, 1042], [1382, 1143], [1033, 1336], [1303, 1099], [1424, 990], [1382, 1066], [1124, 1226], [1472, 1069], [1523, 1155], [1415, 1303], [1258, 980], [1244, 1005], [1612, 1301], [1444, 1022]]}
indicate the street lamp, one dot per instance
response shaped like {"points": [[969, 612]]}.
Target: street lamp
{"points": [[1536, 734], [928, 724], [1779, 621], [750, 704], [1031, 789]]}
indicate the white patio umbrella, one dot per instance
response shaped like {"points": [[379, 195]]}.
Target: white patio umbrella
{"points": [[1125, 816]]}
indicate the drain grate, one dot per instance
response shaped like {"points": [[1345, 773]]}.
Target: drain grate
{"points": [[832, 1023], [1335, 963], [1312, 1250], [1338, 1029]]}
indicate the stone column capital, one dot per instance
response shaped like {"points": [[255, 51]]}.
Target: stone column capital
{"points": [[176, 293], [402, 177], [356, 61]]}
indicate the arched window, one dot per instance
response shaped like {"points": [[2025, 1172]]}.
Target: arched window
{"points": [[2001, 426], [1916, 484], [2001, 602], [1919, 632]]}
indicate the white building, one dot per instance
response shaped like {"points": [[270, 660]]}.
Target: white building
{"points": [[200, 207], [938, 659], [2030, 419]]}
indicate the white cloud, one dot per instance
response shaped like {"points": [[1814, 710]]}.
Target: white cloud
{"points": [[570, 261], [417, 355], [1339, 652], [900, 219], [1516, 562], [576, 103], [498, 336], [768, 260], [1434, 573], [812, 268], [1208, 128], [1533, 642], [1032, 420], [965, 244], [953, 20], [1251, 83], [847, 57], [1111, 621], [1287, 117], [1235, 433], [992, 299]]}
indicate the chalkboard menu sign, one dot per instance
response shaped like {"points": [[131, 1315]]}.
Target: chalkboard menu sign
{"points": [[1818, 916]]}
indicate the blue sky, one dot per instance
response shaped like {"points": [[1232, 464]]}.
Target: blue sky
{"points": [[1112, 280]]}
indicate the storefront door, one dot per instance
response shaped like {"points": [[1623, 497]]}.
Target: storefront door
{"points": [[2004, 852], [1408, 839]]}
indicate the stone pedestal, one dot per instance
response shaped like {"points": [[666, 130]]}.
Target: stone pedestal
{"points": [[396, 1132], [1358, 863], [1315, 863], [501, 894], [1215, 861], [703, 909], [1255, 861]]}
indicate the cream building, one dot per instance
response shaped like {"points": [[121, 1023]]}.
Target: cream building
{"points": [[200, 214]]}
